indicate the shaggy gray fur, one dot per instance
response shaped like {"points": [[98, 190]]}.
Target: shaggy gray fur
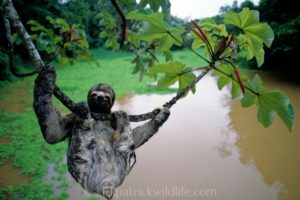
{"points": [[100, 153]]}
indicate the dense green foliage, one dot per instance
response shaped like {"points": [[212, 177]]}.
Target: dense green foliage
{"points": [[41, 10], [284, 18], [68, 45]]}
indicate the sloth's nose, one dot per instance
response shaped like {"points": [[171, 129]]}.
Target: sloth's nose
{"points": [[102, 98]]}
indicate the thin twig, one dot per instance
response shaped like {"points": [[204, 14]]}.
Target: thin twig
{"points": [[189, 48], [230, 76], [169, 104]]}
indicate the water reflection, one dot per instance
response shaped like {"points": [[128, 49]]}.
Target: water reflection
{"points": [[273, 151]]}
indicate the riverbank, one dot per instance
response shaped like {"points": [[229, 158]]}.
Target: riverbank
{"points": [[22, 148]]}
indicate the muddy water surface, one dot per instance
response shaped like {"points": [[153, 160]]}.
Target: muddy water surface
{"points": [[211, 148]]}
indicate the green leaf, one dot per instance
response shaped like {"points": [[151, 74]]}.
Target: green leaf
{"points": [[260, 57], [279, 102], [155, 29], [166, 42], [59, 23], [167, 81], [197, 42], [174, 71], [235, 89], [174, 68], [248, 99], [261, 31], [155, 19], [242, 19], [265, 114], [268, 103], [168, 56], [222, 81], [185, 80], [209, 25], [36, 26], [256, 33], [139, 66], [248, 17]]}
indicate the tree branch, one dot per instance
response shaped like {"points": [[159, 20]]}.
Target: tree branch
{"points": [[10, 46], [122, 22], [11, 17], [11, 14], [169, 104]]}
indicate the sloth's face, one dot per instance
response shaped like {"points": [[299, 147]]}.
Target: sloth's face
{"points": [[101, 98]]}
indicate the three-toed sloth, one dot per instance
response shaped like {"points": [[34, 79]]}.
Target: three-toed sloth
{"points": [[100, 153]]}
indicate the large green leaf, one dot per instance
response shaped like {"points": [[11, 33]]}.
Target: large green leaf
{"points": [[156, 29], [261, 31], [279, 102], [173, 72], [256, 33], [167, 80], [268, 103], [172, 68], [209, 25], [155, 19]]}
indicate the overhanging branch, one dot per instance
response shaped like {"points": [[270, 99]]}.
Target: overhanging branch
{"points": [[10, 46], [12, 18], [11, 14], [122, 22]]}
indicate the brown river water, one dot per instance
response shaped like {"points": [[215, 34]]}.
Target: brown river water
{"points": [[211, 148]]}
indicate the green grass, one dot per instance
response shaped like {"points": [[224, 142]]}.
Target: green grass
{"points": [[115, 70], [29, 152]]}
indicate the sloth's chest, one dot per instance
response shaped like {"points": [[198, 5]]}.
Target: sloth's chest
{"points": [[91, 128], [102, 131], [91, 140]]}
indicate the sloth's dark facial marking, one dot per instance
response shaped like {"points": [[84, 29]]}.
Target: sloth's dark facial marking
{"points": [[101, 98]]}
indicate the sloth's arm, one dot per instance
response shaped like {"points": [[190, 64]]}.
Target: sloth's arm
{"points": [[143, 133], [54, 126]]}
